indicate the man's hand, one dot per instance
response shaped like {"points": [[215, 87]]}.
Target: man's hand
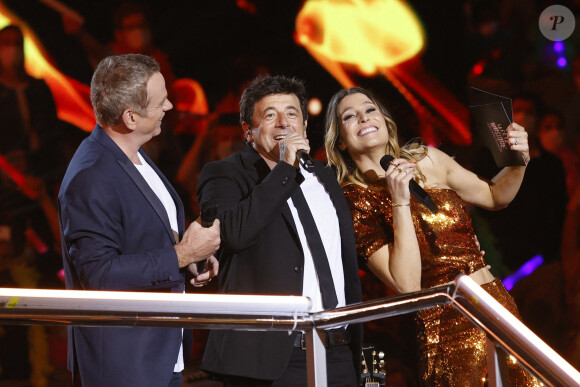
{"points": [[290, 145], [202, 276], [198, 243]]}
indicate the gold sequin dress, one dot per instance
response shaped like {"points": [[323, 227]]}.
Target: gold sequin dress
{"points": [[451, 349]]}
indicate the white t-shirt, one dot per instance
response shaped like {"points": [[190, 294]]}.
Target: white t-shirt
{"points": [[156, 184]]}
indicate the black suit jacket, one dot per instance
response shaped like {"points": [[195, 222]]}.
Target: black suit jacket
{"points": [[261, 254]]}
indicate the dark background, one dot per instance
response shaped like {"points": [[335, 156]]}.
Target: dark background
{"points": [[203, 38]]}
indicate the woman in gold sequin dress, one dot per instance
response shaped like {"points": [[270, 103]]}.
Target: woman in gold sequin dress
{"points": [[406, 245]]}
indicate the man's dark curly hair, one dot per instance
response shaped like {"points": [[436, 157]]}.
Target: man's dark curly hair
{"points": [[266, 85]]}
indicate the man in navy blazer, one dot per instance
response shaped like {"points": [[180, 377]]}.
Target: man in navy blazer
{"points": [[265, 249], [122, 227]]}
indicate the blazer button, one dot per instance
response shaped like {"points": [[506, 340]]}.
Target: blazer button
{"points": [[285, 180], [297, 269]]}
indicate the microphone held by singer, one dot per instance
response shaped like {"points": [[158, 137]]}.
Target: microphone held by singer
{"points": [[305, 160], [415, 189]]}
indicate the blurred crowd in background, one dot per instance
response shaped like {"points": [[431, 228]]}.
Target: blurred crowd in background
{"points": [[492, 45]]}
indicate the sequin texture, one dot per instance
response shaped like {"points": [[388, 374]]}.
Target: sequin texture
{"points": [[452, 350]]}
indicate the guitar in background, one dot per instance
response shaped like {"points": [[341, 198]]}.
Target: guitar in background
{"points": [[373, 367]]}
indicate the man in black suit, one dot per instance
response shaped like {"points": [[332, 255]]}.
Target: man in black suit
{"points": [[266, 243]]}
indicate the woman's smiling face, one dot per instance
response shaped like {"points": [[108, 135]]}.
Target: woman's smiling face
{"points": [[362, 125]]}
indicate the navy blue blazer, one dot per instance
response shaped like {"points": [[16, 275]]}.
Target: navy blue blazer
{"points": [[116, 236], [261, 253]]}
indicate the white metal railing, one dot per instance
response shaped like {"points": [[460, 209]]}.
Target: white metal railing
{"points": [[286, 313]]}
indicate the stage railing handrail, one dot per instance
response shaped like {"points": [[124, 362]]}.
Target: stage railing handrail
{"points": [[286, 313]]}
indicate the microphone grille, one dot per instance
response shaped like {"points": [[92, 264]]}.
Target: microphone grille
{"points": [[208, 214], [385, 160]]}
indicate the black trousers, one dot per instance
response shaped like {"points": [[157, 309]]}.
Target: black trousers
{"points": [[339, 370]]}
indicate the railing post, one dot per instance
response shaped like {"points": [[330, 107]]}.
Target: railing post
{"points": [[493, 368], [315, 358]]}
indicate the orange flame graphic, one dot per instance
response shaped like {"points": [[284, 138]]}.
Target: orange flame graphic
{"points": [[381, 36], [71, 96]]}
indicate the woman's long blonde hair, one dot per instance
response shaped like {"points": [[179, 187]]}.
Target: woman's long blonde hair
{"points": [[347, 170]]}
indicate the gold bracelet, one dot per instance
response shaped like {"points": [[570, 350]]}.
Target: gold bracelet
{"points": [[400, 205]]}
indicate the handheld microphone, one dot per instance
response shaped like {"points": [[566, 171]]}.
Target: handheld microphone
{"points": [[415, 189], [208, 215], [305, 160]]}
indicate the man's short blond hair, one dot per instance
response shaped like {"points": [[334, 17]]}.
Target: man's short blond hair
{"points": [[120, 83]]}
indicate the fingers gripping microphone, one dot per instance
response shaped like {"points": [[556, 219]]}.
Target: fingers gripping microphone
{"points": [[415, 189], [305, 160]]}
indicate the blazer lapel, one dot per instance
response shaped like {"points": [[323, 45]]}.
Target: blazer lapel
{"points": [[331, 186], [139, 181], [151, 197], [254, 164], [258, 170], [287, 215]]}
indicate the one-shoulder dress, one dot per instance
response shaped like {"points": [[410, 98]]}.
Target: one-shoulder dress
{"points": [[452, 351]]}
